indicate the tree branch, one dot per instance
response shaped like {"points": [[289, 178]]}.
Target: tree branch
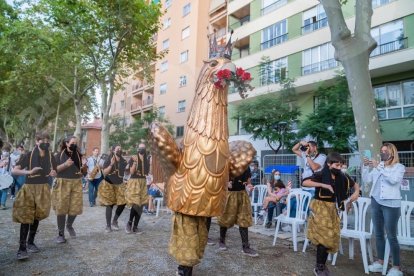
{"points": [[337, 25], [270, 145], [363, 10]]}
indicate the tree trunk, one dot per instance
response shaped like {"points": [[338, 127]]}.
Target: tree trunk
{"points": [[105, 118], [353, 52], [78, 115], [56, 124]]}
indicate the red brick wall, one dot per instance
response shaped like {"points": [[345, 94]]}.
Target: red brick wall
{"points": [[93, 139]]}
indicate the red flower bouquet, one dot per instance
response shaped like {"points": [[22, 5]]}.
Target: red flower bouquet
{"points": [[240, 79]]}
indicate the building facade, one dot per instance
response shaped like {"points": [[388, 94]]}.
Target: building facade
{"points": [[295, 35]]}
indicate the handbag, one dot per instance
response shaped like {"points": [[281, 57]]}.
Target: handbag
{"points": [[6, 180]]}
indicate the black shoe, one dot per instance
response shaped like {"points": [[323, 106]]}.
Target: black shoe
{"points": [[22, 255], [185, 270], [268, 224]]}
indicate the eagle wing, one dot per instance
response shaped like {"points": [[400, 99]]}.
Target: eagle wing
{"points": [[241, 155], [165, 148]]}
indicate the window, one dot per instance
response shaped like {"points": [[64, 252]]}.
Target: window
{"points": [[163, 88], [271, 5], [122, 104], [180, 131], [273, 71], [186, 9], [166, 23], [161, 111], [184, 56], [274, 34], [389, 37], [164, 66], [168, 3], [377, 3], [166, 44], [183, 81], [395, 100], [181, 106], [318, 59], [314, 19], [185, 32]]}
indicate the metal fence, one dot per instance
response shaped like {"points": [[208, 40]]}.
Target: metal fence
{"points": [[291, 169]]}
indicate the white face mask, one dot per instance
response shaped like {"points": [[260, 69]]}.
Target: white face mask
{"points": [[343, 170], [277, 177], [5, 154]]}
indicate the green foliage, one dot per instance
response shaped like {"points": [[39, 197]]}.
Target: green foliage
{"points": [[271, 117], [333, 120]]}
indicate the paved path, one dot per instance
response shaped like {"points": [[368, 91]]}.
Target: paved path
{"points": [[97, 253]]}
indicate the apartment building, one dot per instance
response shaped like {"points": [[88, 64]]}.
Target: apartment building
{"points": [[295, 35]]}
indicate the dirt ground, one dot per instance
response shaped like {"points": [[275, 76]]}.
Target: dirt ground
{"points": [[95, 252]]}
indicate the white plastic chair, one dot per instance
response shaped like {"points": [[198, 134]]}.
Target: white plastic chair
{"points": [[358, 231], [159, 201], [261, 191], [404, 231], [302, 205]]}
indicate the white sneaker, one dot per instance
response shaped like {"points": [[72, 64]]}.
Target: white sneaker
{"points": [[375, 267], [394, 272]]}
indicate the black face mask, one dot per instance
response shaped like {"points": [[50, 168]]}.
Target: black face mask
{"points": [[118, 153], [335, 171], [385, 156], [141, 151], [44, 146], [73, 147]]}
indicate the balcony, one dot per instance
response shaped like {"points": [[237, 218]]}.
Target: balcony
{"points": [[239, 17], [274, 6], [241, 22], [136, 108], [140, 87], [216, 6], [319, 66], [389, 47], [315, 25], [241, 48], [147, 103], [274, 41]]}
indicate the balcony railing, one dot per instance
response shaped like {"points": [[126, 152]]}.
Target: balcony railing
{"points": [[241, 53], [389, 47], [241, 22], [273, 6], [136, 107], [319, 66], [148, 101], [321, 23], [278, 75], [274, 41]]}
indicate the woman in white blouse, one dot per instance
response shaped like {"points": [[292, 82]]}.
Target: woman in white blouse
{"points": [[385, 177]]}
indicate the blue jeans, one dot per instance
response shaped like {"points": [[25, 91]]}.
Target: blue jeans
{"points": [[3, 196], [19, 181], [384, 217], [93, 190], [271, 207]]}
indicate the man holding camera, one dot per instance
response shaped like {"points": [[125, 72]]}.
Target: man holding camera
{"points": [[312, 159]]}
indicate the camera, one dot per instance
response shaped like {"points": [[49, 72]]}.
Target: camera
{"points": [[303, 148]]}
